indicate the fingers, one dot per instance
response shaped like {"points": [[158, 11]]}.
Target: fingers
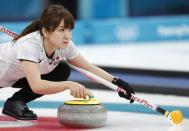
{"points": [[79, 91], [131, 90], [131, 101], [85, 93], [73, 93], [132, 93], [82, 93], [127, 95]]}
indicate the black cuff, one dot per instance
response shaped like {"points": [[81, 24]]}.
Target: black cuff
{"points": [[115, 79]]}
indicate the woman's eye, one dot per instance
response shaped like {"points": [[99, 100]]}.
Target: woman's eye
{"points": [[62, 30]]}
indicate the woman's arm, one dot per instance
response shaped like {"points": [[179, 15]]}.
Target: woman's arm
{"points": [[80, 61], [124, 91], [40, 86]]}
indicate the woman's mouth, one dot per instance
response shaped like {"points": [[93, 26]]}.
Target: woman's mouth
{"points": [[65, 42]]}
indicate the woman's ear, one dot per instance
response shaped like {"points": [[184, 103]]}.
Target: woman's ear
{"points": [[45, 32]]}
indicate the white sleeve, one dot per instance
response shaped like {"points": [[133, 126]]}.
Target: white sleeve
{"points": [[71, 51], [27, 51]]}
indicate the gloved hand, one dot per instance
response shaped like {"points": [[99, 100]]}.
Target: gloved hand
{"points": [[124, 89]]}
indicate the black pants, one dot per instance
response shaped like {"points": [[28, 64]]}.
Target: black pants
{"points": [[60, 73]]}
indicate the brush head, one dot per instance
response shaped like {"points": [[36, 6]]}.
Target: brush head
{"points": [[176, 117]]}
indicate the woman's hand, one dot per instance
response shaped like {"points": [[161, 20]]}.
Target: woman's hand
{"points": [[77, 90], [124, 90]]}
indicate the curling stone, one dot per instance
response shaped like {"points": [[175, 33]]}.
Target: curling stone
{"points": [[82, 113]]}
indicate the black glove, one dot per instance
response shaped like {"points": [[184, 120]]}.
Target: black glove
{"points": [[124, 89]]}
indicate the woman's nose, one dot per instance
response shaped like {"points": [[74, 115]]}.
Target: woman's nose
{"points": [[67, 34]]}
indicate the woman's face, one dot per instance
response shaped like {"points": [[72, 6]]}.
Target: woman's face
{"points": [[60, 37]]}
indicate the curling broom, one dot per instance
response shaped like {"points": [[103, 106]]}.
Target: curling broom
{"points": [[175, 117]]}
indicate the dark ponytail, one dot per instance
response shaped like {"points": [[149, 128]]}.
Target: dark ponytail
{"points": [[34, 26]]}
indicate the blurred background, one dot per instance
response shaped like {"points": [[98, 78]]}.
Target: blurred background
{"points": [[145, 43]]}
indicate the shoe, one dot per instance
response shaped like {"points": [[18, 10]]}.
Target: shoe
{"points": [[19, 110]]}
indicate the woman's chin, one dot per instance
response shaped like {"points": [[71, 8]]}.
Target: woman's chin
{"points": [[63, 46]]}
